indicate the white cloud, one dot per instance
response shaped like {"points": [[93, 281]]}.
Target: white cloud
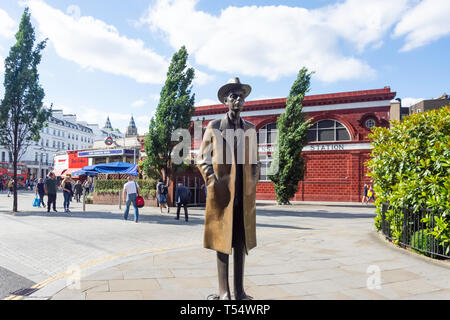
{"points": [[426, 22], [363, 22], [407, 102], [275, 41], [202, 78], [95, 45], [139, 103], [7, 25]]}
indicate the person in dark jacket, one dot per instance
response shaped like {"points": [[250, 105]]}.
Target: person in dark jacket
{"points": [[40, 190], [78, 188], [51, 186], [182, 197]]}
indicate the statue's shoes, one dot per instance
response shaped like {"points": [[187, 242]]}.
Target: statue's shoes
{"points": [[243, 297], [216, 297]]}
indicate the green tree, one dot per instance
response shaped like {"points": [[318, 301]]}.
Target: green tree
{"points": [[174, 111], [410, 166], [22, 114], [288, 164]]}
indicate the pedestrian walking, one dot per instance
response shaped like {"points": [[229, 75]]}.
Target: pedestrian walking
{"points": [[87, 187], [50, 187], [365, 189], [67, 192], [10, 187], [130, 191], [182, 197], [40, 190], [370, 194], [161, 192], [1, 185], [78, 188]]}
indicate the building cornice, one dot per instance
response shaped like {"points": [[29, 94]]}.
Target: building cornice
{"points": [[341, 98]]}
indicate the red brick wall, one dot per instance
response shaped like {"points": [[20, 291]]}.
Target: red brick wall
{"points": [[329, 176]]}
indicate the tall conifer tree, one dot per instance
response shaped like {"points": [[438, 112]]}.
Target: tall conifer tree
{"points": [[174, 111], [288, 164], [22, 114]]}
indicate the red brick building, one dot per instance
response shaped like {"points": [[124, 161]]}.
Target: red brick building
{"points": [[337, 148]]}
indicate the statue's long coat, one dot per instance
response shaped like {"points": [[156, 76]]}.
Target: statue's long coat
{"points": [[219, 175]]}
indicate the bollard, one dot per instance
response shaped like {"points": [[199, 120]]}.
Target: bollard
{"points": [[84, 201], [120, 199]]}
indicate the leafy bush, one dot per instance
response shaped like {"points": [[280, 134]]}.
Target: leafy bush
{"points": [[148, 187], [410, 167]]}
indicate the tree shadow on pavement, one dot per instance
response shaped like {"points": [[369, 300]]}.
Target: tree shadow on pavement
{"points": [[148, 218]]}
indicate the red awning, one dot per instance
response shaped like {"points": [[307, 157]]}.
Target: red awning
{"points": [[59, 172]]}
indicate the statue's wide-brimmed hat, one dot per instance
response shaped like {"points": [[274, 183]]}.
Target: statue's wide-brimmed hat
{"points": [[233, 83]]}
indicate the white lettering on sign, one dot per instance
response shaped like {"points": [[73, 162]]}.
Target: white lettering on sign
{"points": [[337, 147], [326, 147]]}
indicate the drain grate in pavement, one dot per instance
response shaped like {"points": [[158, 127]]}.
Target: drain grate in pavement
{"points": [[24, 292]]}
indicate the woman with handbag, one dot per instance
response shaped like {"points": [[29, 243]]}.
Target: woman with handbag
{"points": [[66, 186], [130, 194]]}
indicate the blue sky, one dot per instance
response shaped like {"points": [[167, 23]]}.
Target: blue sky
{"points": [[110, 57]]}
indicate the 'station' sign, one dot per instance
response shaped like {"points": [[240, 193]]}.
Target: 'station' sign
{"points": [[325, 147], [337, 147]]}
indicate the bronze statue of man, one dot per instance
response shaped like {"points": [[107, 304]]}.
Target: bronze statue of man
{"points": [[228, 161]]}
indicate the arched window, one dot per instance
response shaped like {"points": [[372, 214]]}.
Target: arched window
{"points": [[268, 134], [267, 139], [328, 130]]}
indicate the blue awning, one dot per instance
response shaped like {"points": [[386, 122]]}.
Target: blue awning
{"points": [[114, 167], [82, 172]]}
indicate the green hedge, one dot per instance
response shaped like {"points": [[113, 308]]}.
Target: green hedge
{"points": [[420, 240], [148, 187], [410, 167]]}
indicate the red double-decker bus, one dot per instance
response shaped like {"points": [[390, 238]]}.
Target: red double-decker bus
{"points": [[7, 173]]}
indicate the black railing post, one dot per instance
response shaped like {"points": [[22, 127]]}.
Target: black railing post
{"points": [[431, 239], [383, 218], [403, 236]]}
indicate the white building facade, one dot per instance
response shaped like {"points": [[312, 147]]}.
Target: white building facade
{"points": [[63, 132]]}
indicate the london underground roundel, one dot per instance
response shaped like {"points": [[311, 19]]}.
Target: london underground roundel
{"points": [[108, 141]]}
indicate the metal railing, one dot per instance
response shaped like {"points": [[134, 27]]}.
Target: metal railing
{"points": [[414, 231]]}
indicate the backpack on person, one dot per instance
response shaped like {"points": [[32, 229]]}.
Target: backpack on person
{"points": [[163, 189]]}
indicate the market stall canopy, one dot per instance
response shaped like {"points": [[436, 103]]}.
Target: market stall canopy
{"points": [[114, 167], [84, 173]]}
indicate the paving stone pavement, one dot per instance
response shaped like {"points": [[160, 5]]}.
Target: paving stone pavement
{"points": [[305, 251]]}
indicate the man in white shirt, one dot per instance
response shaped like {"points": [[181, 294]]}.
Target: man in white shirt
{"points": [[130, 192]]}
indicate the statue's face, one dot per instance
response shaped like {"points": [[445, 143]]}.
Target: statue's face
{"points": [[235, 100]]}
